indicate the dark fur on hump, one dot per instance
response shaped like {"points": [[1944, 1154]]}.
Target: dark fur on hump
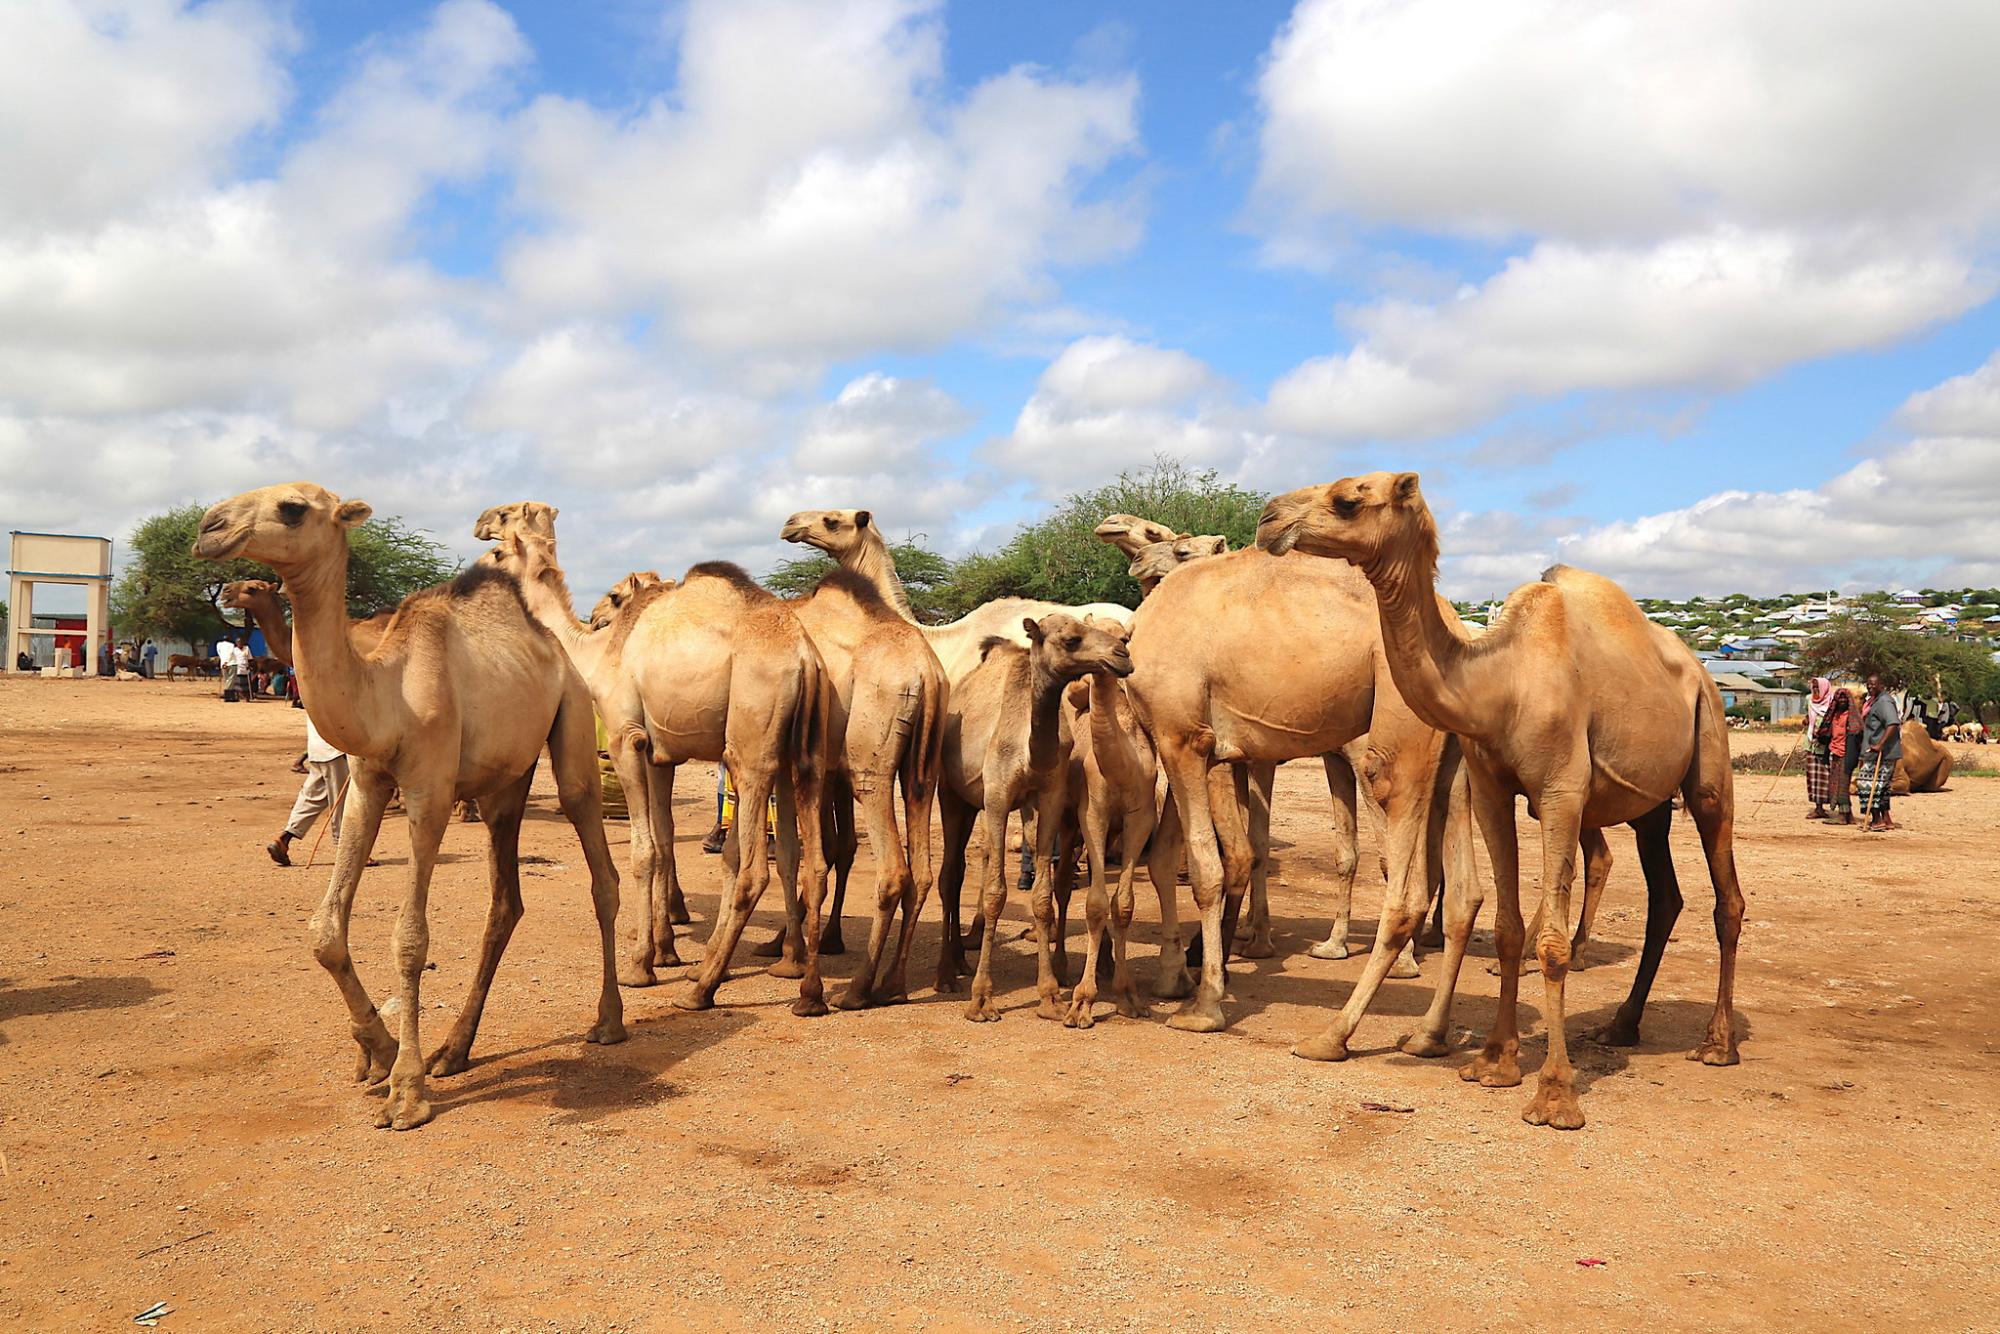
{"points": [[992, 642], [635, 607], [857, 586], [731, 573]]}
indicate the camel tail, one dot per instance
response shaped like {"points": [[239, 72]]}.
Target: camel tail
{"points": [[810, 727]]}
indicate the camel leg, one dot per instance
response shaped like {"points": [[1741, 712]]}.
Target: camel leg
{"points": [[1095, 823], [919, 797], [1138, 826], [429, 810], [573, 760], [1460, 907], [1187, 776], [876, 794], [1256, 942], [1405, 898], [1596, 873], [1229, 800], [803, 914], [1663, 909], [956, 816], [790, 941], [1049, 837], [501, 813], [1554, 1103], [1163, 868], [1341, 786], [992, 902], [842, 849], [1710, 797], [1499, 1064], [753, 778], [664, 891], [327, 933], [633, 775]]}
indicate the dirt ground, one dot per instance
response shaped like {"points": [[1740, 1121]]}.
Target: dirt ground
{"points": [[179, 1124]]}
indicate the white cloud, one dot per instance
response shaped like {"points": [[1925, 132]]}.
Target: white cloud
{"points": [[878, 422], [1630, 121], [1721, 309], [1963, 405], [1108, 404], [809, 193]]}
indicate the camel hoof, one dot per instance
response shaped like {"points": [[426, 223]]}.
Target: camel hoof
{"points": [[1131, 1006], [606, 1032], [1617, 1033], [982, 1011], [1432, 939], [895, 996], [1555, 1106], [449, 1059], [1494, 1072], [1050, 1008], [1078, 1015], [1173, 985], [831, 942], [632, 974], [1329, 949], [1404, 967], [1423, 1044], [1714, 1053], [1257, 947], [793, 968], [694, 998], [1321, 1047], [809, 1007], [668, 958], [372, 1064], [1195, 1017], [854, 998], [406, 1109], [949, 982], [770, 949], [677, 911]]}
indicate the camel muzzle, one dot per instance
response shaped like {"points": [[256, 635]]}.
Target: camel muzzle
{"points": [[1275, 539]]}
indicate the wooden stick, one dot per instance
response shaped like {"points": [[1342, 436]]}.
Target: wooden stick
{"points": [[328, 824]]}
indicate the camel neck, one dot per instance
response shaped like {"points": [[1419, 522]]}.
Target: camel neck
{"points": [[873, 562], [1109, 734], [269, 614], [546, 593], [337, 686], [1044, 714], [1428, 656]]}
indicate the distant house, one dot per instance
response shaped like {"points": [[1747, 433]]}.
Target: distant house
{"points": [[1772, 669], [1910, 597], [1745, 648], [1739, 689]]}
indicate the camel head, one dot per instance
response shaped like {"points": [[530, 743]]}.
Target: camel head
{"points": [[1068, 648], [1156, 560], [621, 595], [245, 594], [836, 532], [285, 527], [1359, 519], [1132, 534], [530, 517]]}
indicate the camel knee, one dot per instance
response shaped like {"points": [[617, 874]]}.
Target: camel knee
{"points": [[328, 945], [1552, 952]]}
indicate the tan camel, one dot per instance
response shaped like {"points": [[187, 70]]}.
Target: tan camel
{"points": [[853, 539], [1155, 551], [1573, 699], [887, 724], [1113, 779], [459, 698], [1925, 766], [711, 668], [1004, 751], [1244, 659], [621, 593]]}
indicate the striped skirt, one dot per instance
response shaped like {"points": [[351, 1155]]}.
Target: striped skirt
{"points": [[1819, 775], [1872, 781]]}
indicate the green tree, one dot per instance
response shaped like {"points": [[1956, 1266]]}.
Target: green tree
{"points": [[926, 578], [165, 591], [1060, 559], [1930, 666]]}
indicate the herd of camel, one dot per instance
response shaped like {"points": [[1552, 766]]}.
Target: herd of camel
{"points": [[1328, 639]]}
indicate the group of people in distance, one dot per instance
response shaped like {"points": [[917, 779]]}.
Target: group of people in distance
{"points": [[1851, 745]]}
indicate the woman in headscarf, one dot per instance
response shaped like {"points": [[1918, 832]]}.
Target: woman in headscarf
{"points": [[1819, 751], [1834, 727]]}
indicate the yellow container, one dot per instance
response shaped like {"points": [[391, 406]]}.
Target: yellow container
{"points": [[729, 807]]}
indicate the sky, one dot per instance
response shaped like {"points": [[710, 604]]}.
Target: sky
{"points": [[1700, 296]]}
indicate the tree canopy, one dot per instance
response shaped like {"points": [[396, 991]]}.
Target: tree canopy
{"points": [[164, 590], [1930, 666], [925, 575]]}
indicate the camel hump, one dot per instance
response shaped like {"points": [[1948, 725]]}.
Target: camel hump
{"points": [[991, 642], [862, 590], [730, 573], [1554, 573]]}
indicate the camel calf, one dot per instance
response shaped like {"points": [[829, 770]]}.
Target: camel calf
{"points": [[1003, 752]]}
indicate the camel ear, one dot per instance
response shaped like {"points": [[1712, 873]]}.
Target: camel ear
{"points": [[862, 518], [1404, 488], [352, 513], [1033, 628]]}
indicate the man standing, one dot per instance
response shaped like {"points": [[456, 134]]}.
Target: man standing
{"points": [[326, 782], [225, 659], [150, 652], [1881, 748]]}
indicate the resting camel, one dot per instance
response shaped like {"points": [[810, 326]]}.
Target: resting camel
{"points": [[853, 539], [1576, 701], [1003, 752], [1113, 779], [887, 723], [1926, 766], [711, 668], [458, 699]]}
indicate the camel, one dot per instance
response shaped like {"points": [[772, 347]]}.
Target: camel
{"points": [[458, 699], [1926, 766], [1576, 701], [192, 664], [1113, 777], [710, 668], [1003, 752], [887, 724], [1246, 659], [622, 592], [853, 539]]}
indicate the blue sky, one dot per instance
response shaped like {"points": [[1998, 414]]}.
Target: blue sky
{"points": [[1702, 300]]}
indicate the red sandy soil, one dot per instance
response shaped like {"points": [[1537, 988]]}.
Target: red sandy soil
{"points": [[180, 1124]]}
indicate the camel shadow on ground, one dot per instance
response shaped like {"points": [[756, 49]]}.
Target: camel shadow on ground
{"points": [[589, 1083], [63, 995]]}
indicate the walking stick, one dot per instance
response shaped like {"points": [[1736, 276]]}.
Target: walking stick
{"points": [[338, 802], [1774, 784]]}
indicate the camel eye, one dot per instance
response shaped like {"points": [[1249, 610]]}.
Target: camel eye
{"points": [[292, 512], [832, 524], [1346, 508], [1073, 642]]}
